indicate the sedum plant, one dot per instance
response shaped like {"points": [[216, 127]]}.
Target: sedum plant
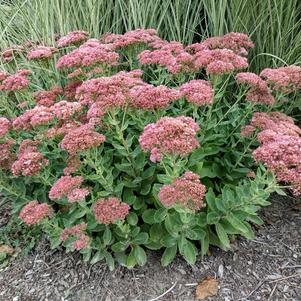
{"points": [[129, 142]]}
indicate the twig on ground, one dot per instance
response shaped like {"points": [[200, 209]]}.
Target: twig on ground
{"points": [[272, 292], [169, 290], [284, 278]]}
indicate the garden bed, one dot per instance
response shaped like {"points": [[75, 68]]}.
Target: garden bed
{"points": [[267, 268]]}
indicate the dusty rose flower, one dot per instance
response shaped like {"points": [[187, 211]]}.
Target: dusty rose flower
{"points": [[109, 91], [235, 41], [34, 212], [78, 231], [47, 98], [63, 186], [149, 97], [64, 110], [62, 128], [4, 126], [185, 191], [107, 211], [251, 174], [89, 54], [14, 82], [81, 139], [199, 92], [73, 38], [282, 155], [172, 135], [30, 161], [133, 37], [41, 52], [252, 80], [8, 54], [78, 194], [286, 79]]}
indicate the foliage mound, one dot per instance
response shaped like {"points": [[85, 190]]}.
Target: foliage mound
{"points": [[129, 142]]}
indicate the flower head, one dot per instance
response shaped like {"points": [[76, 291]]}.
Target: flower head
{"points": [[149, 97], [81, 139], [199, 92], [107, 211], [170, 135], [34, 212], [30, 161], [185, 191], [41, 52], [73, 38], [64, 186], [4, 126]]}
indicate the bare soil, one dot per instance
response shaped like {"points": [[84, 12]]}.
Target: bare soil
{"points": [[267, 268]]}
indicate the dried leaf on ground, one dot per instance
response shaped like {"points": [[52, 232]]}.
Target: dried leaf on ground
{"points": [[206, 288], [6, 249]]}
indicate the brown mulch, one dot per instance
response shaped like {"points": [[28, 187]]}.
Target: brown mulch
{"points": [[267, 268]]}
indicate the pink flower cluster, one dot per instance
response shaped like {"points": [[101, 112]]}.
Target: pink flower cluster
{"points": [[133, 37], [215, 55], [197, 91], [47, 98], [107, 211], [34, 212], [286, 79], [185, 191], [109, 91], [169, 135], [41, 115], [8, 54], [259, 91], [15, 82], [281, 147], [89, 54], [235, 41], [149, 97], [30, 161], [73, 38], [41, 52], [78, 231], [81, 139], [68, 186], [4, 126]]}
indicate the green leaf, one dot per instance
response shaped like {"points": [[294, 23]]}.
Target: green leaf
{"points": [[196, 233], [213, 218], [255, 220], [168, 241], [202, 152], [236, 223], [97, 257], [132, 218], [222, 235], [109, 260], [131, 260], [205, 245], [210, 199], [156, 232], [128, 196], [148, 216], [141, 238], [149, 172], [189, 252], [140, 255], [107, 236], [168, 255], [119, 246], [160, 215]]}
